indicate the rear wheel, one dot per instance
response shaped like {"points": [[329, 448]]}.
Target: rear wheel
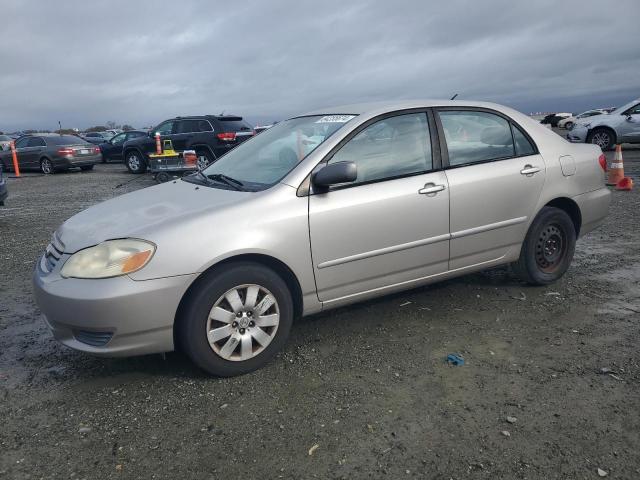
{"points": [[604, 138], [46, 166], [236, 320], [548, 248], [204, 158], [135, 162]]}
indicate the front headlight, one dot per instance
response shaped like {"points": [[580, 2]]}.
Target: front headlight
{"points": [[109, 259]]}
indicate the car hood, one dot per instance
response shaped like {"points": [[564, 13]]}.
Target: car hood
{"points": [[139, 214], [610, 120]]}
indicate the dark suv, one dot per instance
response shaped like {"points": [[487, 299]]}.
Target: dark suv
{"points": [[209, 135]]}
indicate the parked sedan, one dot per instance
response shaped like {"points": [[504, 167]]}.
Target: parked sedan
{"points": [[620, 126], [569, 122], [329, 208], [52, 153], [112, 149]]}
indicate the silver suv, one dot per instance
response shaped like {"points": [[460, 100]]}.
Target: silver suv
{"points": [[620, 126], [322, 210]]}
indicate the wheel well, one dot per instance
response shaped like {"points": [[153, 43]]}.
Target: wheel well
{"points": [[201, 146], [603, 127], [571, 208], [276, 265]]}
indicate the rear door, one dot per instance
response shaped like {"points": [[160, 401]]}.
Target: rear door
{"points": [[495, 176], [32, 152], [186, 131], [389, 227]]}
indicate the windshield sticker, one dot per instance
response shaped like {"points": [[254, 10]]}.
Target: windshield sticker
{"points": [[335, 119]]}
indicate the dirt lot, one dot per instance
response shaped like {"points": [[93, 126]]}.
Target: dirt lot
{"points": [[366, 384]]}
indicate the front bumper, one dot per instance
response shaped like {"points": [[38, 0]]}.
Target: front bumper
{"points": [[113, 317], [578, 134]]}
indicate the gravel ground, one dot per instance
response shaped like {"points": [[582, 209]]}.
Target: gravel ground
{"points": [[360, 392]]}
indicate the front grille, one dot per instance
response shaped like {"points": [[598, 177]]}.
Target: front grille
{"points": [[52, 254], [95, 339]]}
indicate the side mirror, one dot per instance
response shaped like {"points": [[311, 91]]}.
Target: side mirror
{"points": [[630, 118], [334, 174]]}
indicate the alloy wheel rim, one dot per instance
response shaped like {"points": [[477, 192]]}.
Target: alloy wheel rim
{"points": [[203, 161], [551, 248], [134, 162], [46, 166], [601, 139], [243, 322]]}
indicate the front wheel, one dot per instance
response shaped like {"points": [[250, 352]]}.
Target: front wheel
{"points": [[568, 125], [548, 248], [135, 162], [605, 139], [236, 319]]}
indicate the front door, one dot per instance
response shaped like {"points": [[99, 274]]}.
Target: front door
{"points": [[390, 226], [629, 129], [495, 176]]}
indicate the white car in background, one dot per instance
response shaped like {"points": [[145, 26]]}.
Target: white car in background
{"points": [[569, 122]]}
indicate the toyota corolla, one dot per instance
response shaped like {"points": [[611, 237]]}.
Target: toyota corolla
{"points": [[322, 210]]}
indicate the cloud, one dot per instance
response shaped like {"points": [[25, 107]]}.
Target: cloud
{"points": [[140, 62]]}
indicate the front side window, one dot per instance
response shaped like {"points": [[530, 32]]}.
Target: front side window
{"points": [[265, 159], [22, 142], [392, 147], [165, 128], [118, 139], [633, 110], [474, 137]]}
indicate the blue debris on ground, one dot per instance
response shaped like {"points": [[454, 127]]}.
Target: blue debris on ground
{"points": [[455, 359]]}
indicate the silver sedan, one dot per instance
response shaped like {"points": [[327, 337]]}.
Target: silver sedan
{"points": [[322, 210]]}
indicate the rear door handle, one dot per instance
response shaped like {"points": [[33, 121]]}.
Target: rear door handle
{"points": [[431, 189], [529, 170]]}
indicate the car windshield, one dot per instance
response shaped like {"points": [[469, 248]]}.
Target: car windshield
{"points": [[265, 159]]}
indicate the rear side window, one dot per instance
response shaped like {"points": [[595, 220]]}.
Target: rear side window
{"points": [[187, 126], [64, 140], [392, 147], [204, 126], [22, 142], [235, 126], [523, 145], [36, 142], [474, 137]]}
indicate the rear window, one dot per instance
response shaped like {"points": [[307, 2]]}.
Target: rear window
{"points": [[235, 126], [65, 140]]}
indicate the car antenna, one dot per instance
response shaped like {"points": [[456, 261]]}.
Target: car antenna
{"points": [[453, 98], [60, 128]]}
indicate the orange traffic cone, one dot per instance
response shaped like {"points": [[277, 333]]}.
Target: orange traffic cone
{"points": [[625, 184], [616, 170]]}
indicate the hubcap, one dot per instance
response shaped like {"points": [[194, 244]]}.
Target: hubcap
{"points": [[601, 139], [134, 162], [243, 322], [550, 248]]}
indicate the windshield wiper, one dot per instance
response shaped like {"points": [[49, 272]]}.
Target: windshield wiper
{"points": [[232, 182]]}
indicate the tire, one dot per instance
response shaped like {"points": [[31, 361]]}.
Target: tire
{"points": [[196, 318], [205, 157], [46, 166], [602, 137], [86, 168], [548, 248], [135, 162], [163, 177], [568, 125]]}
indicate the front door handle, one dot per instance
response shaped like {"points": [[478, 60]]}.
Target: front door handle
{"points": [[529, 170], [431, 189]]}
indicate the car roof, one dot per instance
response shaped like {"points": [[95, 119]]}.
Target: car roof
{"points": [[200, 117], [371, 108]]}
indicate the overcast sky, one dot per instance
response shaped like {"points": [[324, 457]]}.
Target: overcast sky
{"points": [[139, 62]]}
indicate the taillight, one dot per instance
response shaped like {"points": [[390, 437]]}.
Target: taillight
{"points": [[227, 136], [65, 151], [96, 150], [602, 160]]}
